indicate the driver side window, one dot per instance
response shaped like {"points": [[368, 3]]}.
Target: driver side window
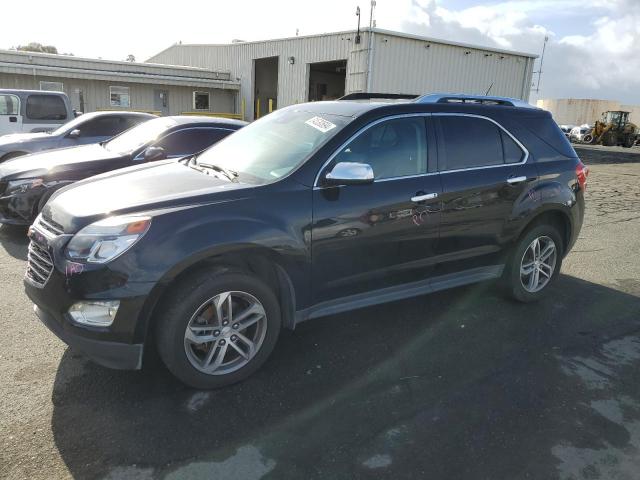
{"points": [[393, 148]]}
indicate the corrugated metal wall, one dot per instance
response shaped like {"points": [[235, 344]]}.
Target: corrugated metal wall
{"points": [[96, 93], [407, 65], [293, 78], [400, 65], [577, 111]]}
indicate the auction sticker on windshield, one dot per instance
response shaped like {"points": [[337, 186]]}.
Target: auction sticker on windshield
{"points": [[320, 123]]}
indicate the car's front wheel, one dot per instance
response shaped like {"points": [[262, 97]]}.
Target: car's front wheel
{"points": [[218, 329], [535, 263]]}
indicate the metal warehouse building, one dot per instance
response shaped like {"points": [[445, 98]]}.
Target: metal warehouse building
{"points": [[108, 85], [277, 73], [578, 111]]}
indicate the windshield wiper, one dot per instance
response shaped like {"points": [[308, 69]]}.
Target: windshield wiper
{"points": [[230, 174]]}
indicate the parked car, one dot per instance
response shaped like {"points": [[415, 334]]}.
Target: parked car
{"points": [[209, 258], [566, 129], [33, 110], [27, 182], [88, 128], [578, 133]]}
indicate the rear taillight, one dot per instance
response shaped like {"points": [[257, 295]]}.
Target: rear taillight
{"points": [[582, 172]]}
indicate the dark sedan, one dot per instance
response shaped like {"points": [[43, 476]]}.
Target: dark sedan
{"points": [[26, 183], [88, 128]]}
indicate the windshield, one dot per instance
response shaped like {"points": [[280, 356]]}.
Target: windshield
{"points": [[139, 135], [273, 146]]}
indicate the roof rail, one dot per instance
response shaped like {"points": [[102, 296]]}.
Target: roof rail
{"points": [[472, 99], [370, 96]]}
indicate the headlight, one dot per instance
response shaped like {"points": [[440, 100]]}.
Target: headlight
{"points": [[22, 186], [107, 239]]}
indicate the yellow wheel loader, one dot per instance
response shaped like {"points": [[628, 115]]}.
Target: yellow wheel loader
{"points": [[614, 128]]}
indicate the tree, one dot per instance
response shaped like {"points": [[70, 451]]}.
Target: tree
{"points": [[131, 58], [37, 47]]}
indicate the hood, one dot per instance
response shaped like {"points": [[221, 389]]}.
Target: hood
{"points": [[18, 138], [146, 187], [54, 163]]}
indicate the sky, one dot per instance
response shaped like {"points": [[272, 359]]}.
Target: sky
{"points": [[593, 48]]}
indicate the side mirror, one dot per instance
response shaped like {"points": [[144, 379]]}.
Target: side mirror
{"points": [[154, 153], [349, 173], [75, 133]]}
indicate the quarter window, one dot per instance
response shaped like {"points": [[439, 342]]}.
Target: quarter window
{"points": [[201, 100], [119, 97], [9, 105], [470, 142], [46, 107], [393, 148]]}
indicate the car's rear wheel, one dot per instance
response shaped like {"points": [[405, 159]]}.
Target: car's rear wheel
{"points": [[218, 329], [535, 263]]}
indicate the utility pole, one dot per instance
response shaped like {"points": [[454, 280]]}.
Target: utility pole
{"points": [[370, 50], [539, 72]]}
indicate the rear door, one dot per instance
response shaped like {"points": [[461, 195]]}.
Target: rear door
{"points": [[10, 118], [383, 234], [484, 173]]}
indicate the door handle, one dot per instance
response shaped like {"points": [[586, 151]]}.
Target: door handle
{"points": [[422, 198], [514, 180]]}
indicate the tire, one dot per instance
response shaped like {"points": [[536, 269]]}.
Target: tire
{"points": [[185, 355], [629, 141], [609, 139], [513, 279]]}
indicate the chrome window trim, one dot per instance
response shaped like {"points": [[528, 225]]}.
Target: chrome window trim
{"points": [[316, 185], [472, 115], [524, 149]]}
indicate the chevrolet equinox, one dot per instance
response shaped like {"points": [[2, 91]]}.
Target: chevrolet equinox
{"points": [[314, 209]]}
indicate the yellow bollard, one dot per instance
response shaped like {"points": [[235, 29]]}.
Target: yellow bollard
{"points": [[257, 108], [270, 105], [243, 107]]}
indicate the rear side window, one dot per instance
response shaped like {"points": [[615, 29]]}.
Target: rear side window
{"points": [[393, 148], [190, 140], [9, 105], [104, 127], [46, 107], [543, 127], [471, 142]]}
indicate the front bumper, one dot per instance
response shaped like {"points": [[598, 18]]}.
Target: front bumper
{"points": [[119, 345], [18, 209], [109, 354]]}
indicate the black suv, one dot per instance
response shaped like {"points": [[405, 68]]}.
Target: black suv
{"points": [[312, 210]]}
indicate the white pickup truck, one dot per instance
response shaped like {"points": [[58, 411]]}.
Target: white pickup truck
{"points": [[33, 111]]}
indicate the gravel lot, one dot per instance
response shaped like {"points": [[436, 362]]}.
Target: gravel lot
{"points": [[461, 384]]}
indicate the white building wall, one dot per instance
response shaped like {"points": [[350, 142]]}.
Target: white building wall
{"points": [[416, 66], [401, 64], [577, 111]]}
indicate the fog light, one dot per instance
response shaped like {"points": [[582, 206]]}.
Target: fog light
{"points": [[95, 313]]}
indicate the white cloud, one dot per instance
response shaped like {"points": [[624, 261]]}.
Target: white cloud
{"points": [[601, 61]]}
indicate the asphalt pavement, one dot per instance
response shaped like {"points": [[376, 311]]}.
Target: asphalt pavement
{"points": [[462, 384]]}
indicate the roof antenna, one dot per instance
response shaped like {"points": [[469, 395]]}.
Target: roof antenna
{"points": [[357, 40], [488, 89]]}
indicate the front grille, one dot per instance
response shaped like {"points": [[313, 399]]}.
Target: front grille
{"points": [[39, 265], [3, 187], [49, 226]]}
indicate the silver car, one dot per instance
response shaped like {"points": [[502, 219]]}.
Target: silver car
{"points": [[86, 129]]}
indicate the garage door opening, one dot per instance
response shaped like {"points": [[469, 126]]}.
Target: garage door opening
{"points": [[327, 80], [265, 85]]}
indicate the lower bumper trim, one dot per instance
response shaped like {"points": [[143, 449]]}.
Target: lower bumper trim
{"points": [[115, 355]]}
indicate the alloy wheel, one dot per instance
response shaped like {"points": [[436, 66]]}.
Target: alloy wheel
{"points": [[538, 264], [225, 333]]}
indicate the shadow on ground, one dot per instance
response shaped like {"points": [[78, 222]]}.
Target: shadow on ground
{"points": [[13, 239], [462, 384]]}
